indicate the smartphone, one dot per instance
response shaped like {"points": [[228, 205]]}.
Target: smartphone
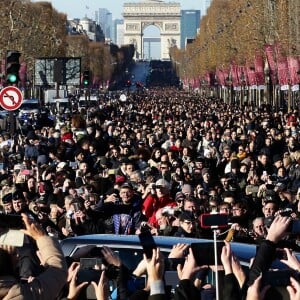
{"points": [[12, 221], [76, 206], [41, 188], [87, 271], [278, 278], [214, 221], [204, 253], [73, 165], [88, 275], [26, 172], [147, 242], [172, 263]]}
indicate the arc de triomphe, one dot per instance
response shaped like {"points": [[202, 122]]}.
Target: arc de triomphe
{"points": [[166, 16]]}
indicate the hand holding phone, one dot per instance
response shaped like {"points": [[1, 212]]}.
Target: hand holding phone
{"points": [[147, 242], [204, 253]]}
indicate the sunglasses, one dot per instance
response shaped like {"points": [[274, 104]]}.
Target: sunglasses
{"points": [[159, 187], [180, 200]]}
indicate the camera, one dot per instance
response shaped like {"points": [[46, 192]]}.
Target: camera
{"points": [[251, 189], [294, 226], [168, 211], [286, 212], [144, 226]]}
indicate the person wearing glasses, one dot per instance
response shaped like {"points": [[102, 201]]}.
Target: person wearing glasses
{"points": [[186, 225], [158, 197]]}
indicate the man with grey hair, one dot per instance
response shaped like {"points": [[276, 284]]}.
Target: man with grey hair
{"points": [[258, 228]]}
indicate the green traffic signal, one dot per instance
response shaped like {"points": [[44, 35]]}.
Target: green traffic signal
{"points": [[12, 78], [86, 78], [12, 67]]}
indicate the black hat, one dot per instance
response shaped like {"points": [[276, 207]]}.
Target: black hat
{"points": [[186, 216], [179, 196], [7, 198], [199, 159], [276, 158], [17, 195], [127, 185]]}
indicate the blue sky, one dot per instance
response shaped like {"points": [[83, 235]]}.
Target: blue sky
{"points": [[82, 8]]}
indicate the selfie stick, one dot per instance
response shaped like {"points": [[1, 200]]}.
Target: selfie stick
{"points": [[216, 262]]}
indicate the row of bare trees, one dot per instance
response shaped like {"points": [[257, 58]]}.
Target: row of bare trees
{"points": [[38, 30], [234, 31]]}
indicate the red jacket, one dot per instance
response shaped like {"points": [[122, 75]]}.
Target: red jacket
{"points": [[152, 204]]}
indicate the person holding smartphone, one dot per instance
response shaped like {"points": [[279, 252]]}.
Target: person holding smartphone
{"points": [[159, 197], [46, 285]]}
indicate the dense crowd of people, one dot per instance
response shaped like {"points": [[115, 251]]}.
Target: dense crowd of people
{"points": [[161, 159]]}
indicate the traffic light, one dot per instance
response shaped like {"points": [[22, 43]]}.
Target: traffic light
{"points": [[12, 67], [128, 83], [86, 78]]}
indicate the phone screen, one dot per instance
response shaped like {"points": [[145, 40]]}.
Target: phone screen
{"points": [[147, 242], [214, 220], [204, 253], [41, 188]]}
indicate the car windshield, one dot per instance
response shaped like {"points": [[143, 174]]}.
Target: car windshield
{"points": [[29, 106]]}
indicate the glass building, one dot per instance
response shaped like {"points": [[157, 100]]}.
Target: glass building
{"points": [[190, 23]]}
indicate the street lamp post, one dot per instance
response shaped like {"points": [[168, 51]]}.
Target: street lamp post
{"points": [[267, 83], [242, 89], [217, 93], [230, 88]]}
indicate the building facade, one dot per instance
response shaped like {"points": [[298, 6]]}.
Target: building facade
{"points": [[190, 23], [164, 16], [118, 32], [106, 23], [87, 27]]}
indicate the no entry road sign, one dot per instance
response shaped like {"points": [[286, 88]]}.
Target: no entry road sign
{"points": [[10, 98]]}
